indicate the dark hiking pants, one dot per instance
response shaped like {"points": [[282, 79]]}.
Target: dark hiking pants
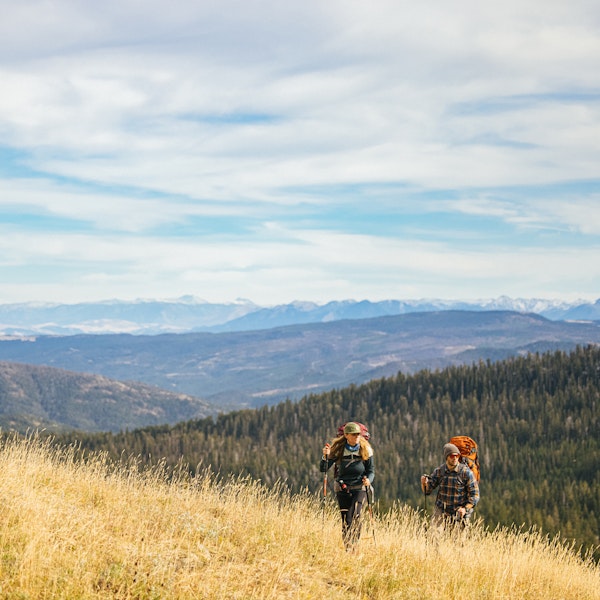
{"points": [[351, 503]]}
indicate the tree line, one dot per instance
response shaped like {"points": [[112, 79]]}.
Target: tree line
{"points": [[535, 418]]}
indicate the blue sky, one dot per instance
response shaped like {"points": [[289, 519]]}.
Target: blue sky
{"points": [[280, 151]]}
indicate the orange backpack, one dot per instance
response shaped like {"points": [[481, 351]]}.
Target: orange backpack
{"points": [[468, 451]]}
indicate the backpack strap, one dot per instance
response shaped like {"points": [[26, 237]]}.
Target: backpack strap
{"points": [[464, 472]]}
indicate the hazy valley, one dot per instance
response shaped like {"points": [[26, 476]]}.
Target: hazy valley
{"points": [[234, 370]]}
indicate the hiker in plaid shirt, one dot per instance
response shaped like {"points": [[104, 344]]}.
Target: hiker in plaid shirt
{"points": [[458, 490]]}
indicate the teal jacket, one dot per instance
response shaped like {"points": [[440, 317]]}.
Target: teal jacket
{"points": [[351, 468]]}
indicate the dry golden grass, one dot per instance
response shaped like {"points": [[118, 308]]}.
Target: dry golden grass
{"points": [[71, 529]]}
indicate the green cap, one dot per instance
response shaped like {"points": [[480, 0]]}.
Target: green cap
{"points": [[352, 428]]}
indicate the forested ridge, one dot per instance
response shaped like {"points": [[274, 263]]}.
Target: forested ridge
{"points": [[535, 418]]}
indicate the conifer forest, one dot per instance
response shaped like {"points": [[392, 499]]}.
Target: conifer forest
{"points": [[536, 419]]}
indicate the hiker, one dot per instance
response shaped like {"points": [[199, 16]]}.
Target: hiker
{"points": [[355, 472], [458, 492]]}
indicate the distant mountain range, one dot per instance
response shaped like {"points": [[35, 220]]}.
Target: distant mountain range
{"points": [[190, 314], [240, 369]]}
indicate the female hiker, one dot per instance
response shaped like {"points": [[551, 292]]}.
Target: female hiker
{"points": [[353, 457]]}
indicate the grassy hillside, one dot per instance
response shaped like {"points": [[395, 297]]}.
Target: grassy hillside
{"points": [[72, 529], [535, 417]]}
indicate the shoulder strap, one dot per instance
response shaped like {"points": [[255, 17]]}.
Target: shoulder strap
{"points": [[463, 472]]}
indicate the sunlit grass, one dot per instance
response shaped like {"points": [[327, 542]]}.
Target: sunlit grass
{"points": [[88, 529]]}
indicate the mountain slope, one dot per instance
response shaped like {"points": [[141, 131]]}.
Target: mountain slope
{"points": [[250, 368], [35, 397]]}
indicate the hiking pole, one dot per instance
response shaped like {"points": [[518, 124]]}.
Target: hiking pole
{"points": [[326, 459], [324, 496], [370, 496], [423, 487]]}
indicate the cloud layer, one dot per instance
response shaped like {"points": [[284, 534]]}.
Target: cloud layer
{"points": [[316, 150]]}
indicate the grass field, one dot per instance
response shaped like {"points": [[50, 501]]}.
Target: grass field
{"points": [[77, 529]]}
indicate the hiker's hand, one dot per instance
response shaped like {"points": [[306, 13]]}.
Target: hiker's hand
{"points": [[424, 483], [461, 512], [366, 481], [326, 449]]}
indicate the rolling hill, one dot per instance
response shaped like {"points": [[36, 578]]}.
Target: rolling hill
{"points": [[34, 397]]}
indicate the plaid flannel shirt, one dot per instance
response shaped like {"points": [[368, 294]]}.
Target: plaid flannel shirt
{"points": [[456, 488]]}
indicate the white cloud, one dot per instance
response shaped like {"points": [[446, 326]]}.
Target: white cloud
{"points": [[129, 116], [280, 266], [103, 210], [579, 215]]}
